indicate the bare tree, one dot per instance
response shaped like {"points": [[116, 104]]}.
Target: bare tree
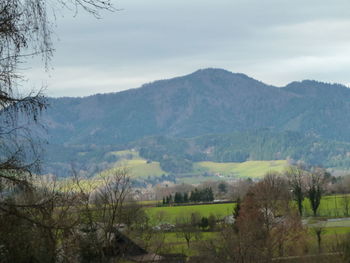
{"points": [[319, 230], [346, 204], [103, 214], [315, 185], [266, 226], [188, 227], [44, 219], [40, 211], [296, 178]]}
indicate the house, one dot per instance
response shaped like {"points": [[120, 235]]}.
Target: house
{"points": [[119, 245]]}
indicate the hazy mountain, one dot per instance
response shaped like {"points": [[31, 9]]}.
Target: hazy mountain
{"points": [[206, 101], [209, 101]]}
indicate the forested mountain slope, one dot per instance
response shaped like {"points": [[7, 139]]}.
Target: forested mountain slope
{"points": [[209, 101]]}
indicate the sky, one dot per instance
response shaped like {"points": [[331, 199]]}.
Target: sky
{"points": [[274, 41]]}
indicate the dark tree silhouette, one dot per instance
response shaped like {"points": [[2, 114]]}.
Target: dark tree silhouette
{"points": [[30, 211]]}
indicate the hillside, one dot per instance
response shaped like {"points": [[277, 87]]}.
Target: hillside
{"points": [[209, 101], [143, 171], [205, 106]]}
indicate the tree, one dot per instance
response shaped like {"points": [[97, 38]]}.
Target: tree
{"points": [[188, 227], [38, 215], [346, 204], [222, 187], [178, 198], [237, 208], [315, 183], [103, 210], [211, 222], [319, 231], [266, 223], [266, 227], [186, 198], [25, 32], [204, 223], [296, 178]]}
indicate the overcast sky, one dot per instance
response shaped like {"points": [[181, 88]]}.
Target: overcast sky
{"points": [[275, 41]]}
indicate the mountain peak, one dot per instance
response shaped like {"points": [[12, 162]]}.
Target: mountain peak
{"points": [[218, 72], [307, 83], [212, 71]]}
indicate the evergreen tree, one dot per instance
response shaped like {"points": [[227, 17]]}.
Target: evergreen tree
{"points": [[210, 195], [185, 197], [237, 208], [204, 223], [178, 198]]}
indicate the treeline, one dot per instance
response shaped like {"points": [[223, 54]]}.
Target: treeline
{"points": [[202, 195], [177, 155], [41, 222]]}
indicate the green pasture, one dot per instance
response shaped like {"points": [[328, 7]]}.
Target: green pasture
{"points": [[253, 169], [170, 214], [331, 206], [139, 167], [172, 242], [336, 230]]}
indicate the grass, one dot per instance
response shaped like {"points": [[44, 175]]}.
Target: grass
{"points": [[337, 230], [331, 206], [141, 168], [169, 214], [171, 242], [253, 169], [138, 166]]}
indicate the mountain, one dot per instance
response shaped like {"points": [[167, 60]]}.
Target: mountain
{"points": [[208, 101]]}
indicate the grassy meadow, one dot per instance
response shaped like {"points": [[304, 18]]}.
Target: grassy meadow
{"points": [[171, 213], [174, 243], [331, 206], [137, 166], [253, 169], [141, 168]]}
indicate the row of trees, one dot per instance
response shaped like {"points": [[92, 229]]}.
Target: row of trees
{"points": [[307, 184], [242, 146], [267, 227], [202, 195]]}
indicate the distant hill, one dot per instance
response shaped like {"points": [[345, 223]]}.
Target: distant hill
{"points": [[206, 102]]}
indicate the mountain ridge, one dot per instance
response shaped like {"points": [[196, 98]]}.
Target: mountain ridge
{"points": [[207, 101], [205, 98]]}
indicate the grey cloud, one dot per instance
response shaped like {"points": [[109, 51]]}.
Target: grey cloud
{"points": [[276, 41]]}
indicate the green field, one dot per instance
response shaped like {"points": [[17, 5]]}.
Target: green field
{"points": [[336, 230], [176, 244], [331, 206], [253, 169], [140, 168], [169, 214]]}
